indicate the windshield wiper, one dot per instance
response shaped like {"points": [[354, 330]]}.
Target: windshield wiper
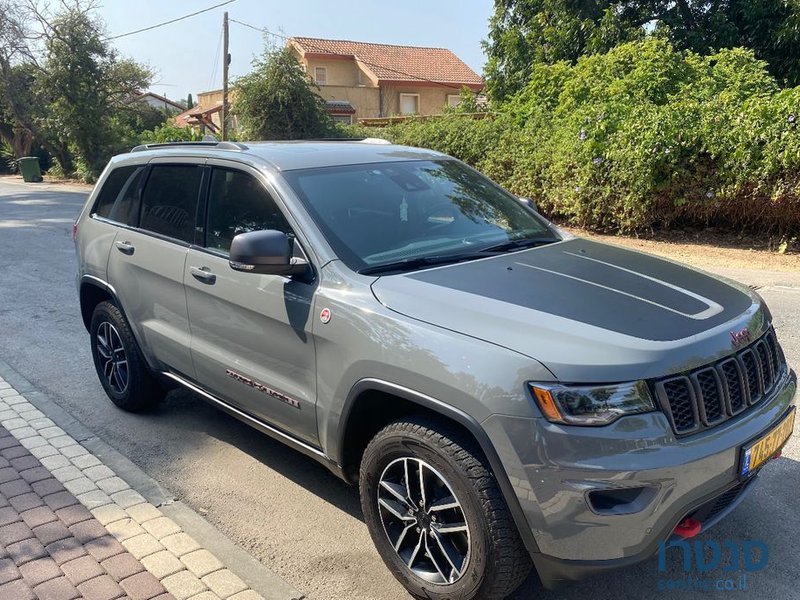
{"points": [[423, 261], [519, 244], [442, 259]]}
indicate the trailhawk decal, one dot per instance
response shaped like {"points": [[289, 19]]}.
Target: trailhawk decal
{"points": [[712, 308], [262, 388], [579, 281]]}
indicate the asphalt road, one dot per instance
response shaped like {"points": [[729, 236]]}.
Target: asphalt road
{"points": [[283, 508]]}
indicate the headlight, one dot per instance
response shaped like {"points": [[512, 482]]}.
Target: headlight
{"points": [[592, 405]]}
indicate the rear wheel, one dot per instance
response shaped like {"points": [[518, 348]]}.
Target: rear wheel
{"points": [[436, 514], [120, 366]]}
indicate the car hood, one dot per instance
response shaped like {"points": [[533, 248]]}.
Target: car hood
{"points": [[585, 310]]}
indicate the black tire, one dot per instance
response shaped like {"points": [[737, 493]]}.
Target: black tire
{"points": [[131, 386], [495, 562]]}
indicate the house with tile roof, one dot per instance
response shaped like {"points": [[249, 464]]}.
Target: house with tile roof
{"points": [[364, 80], [206, 115], [159, 102]]}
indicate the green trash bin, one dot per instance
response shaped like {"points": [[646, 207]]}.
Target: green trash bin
{"points": [[30, 169]]}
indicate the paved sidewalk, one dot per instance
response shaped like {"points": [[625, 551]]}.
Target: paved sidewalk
{"points": [[70, 528]]}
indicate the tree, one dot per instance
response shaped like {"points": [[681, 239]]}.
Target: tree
{"points": [[87, 83], [467, 103], [526, 32], [277, 100], [190, 101], [64, 83], [18, 71], [17, 139]]}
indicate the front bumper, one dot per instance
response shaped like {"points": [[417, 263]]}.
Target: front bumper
{"points": [[555, 470]]}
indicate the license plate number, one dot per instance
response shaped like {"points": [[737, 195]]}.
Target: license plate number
{"points": [[756, 453]]}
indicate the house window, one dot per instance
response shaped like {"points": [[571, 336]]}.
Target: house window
{"points": [[409, 104], [321, 75], [453, 100], [347, 119]]}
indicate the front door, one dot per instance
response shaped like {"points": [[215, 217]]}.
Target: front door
{"points": [[251, 334]]}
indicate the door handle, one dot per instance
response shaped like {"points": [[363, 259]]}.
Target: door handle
{"points": [[125, 247], [203, 274]]}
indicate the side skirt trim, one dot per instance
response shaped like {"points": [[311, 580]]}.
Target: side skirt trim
{"points": [[266, 428]]}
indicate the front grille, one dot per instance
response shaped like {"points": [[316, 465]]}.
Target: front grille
{"points": [[708, 511], [707, 396]]}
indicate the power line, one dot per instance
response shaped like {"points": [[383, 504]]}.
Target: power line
{"points": [[379, 66], [259, 29], [253, 27], [216, 60], [194, 14]]}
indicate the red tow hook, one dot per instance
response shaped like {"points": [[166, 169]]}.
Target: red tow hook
{"points": [[688, 528]]}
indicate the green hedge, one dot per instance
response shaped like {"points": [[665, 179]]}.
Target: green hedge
{"points": [[640, 137]]}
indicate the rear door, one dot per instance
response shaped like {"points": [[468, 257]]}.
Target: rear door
{"points": [[146, 263], [116, 204], [251, 333]]}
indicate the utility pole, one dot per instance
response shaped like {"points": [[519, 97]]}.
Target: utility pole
{"points": [[226, 59]]}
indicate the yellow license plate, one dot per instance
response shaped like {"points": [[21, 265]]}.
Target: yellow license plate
{"points": [[757, 453]]}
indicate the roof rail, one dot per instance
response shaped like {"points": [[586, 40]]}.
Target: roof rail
{"points": [[216, 145], [369, 140]]}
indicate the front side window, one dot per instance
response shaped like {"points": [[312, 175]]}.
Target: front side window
{"points": [[118, 200], [239, 203], [170, 199], [401, 213]]}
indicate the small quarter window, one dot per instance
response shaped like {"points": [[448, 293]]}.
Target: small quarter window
{"points": [[119, 198], [169, 201]]}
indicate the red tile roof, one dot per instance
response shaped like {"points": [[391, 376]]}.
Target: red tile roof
{"points": [[197, 115], [398, 63]]}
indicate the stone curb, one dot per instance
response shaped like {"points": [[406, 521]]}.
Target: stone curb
{"points": [[169, 538]]}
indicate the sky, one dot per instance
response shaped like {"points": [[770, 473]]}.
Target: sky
{"points": [[186, 56]]}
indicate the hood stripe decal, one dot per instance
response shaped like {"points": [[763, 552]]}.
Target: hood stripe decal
{"points": [[713, 307]]}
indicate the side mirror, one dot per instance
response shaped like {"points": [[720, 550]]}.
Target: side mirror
{"points": [[529, 203], [266, 252]]}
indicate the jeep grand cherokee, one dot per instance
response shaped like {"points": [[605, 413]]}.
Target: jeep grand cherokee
{"points": [[504, 395]]}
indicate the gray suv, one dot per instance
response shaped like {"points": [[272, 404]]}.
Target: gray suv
{"points": [[503, 394]]}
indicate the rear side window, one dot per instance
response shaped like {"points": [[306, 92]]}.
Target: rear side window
{"points": [[119, 198], [169, 201], [238, 203]]}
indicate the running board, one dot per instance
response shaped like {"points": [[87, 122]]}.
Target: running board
{"points": [[263, 427]]}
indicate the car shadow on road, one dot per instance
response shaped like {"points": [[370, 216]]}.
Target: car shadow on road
{"points": [[289, 463], [762, 516]]}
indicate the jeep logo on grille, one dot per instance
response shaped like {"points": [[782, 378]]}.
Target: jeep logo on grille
{"points": [[740, 338]]}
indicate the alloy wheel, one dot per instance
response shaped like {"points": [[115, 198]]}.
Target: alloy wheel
{"points": [[424, 521], [113, 359]]}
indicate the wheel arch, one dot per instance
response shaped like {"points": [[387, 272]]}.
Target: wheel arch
{"points": [[362, 417], [93, 291]]}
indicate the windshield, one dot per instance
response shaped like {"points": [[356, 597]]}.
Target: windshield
{"points": [[404, 213]]}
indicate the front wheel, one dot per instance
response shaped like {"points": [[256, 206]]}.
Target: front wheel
{"points": [[436, 514], [120, 366]]}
